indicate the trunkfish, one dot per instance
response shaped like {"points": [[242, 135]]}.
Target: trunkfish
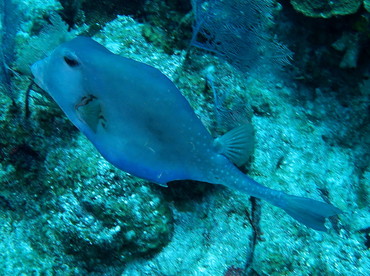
{"points": [[141, 123]]}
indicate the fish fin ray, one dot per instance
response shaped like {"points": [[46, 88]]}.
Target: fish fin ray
{"points": [[237, 145], [310, 212], [90, 112]]}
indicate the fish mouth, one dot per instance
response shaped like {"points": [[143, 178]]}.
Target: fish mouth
{"points": [[38, 71]]}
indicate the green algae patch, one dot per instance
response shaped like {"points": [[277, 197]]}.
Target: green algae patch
{"points": [[367, 5], [326, 8]]}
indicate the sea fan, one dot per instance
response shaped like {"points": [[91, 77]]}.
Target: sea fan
{"points": [[237, 31], [10, 19]]}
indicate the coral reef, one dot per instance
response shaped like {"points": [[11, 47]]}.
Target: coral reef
{"points": [[66, 211]]}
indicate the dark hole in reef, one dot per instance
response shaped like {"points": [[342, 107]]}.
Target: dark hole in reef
{"points": [[366, 231], [5, 204], [24, 157]]}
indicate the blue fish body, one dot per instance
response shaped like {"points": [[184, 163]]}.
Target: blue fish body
{"points": [[140, 122]]}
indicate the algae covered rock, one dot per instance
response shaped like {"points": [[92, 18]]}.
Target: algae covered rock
{"points": [[326, 8], [367, 5], [118, 223]]}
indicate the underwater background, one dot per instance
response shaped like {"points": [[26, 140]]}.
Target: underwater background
{"points": [[298, 70]]}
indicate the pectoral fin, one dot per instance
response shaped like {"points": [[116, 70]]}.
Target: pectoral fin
{"points": [[90, 112]]}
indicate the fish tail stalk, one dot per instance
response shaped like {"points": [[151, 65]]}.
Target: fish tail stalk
{"points": [[309, 212]]}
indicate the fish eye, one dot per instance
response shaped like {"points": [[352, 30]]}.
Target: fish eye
{"points": [[71, 61]]}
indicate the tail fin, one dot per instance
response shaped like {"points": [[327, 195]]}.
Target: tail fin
{"points": [[311, 213]]}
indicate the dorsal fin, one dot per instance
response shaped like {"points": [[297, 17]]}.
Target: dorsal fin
{"points": [[237, 145], [89, 111]]}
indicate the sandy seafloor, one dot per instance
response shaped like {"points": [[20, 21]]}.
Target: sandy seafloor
{"points": [[55, 188]]}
